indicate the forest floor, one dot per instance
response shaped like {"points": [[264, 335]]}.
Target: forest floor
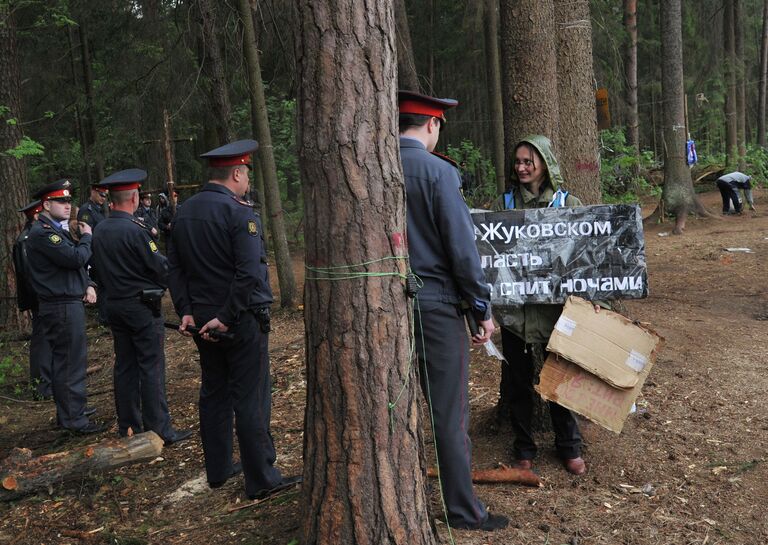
{"points": [[698, 443]]}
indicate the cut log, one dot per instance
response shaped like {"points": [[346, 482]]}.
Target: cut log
{"points": [[503, 474], [22, 474]]}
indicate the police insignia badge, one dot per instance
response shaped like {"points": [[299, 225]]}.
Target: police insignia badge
{"points": [[252, 229], [153, 246], [53, 237]]}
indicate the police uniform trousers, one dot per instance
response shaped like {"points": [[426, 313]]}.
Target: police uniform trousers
{"points": [[139, 377], [62, 325], [236, 380], [443, 349], [39, 358], [729, 194], [521, 368]]}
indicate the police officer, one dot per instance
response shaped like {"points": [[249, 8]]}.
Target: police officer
{"points": [[219, 282], [92, 213], [134, 276], [39, 352], [729, 185], [146, 214], [57, 274], [443, 254]]}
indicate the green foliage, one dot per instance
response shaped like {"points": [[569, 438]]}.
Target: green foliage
{"points": [[10, 369], [757, 159], [26, 148], [477, 172], [620, 180]]}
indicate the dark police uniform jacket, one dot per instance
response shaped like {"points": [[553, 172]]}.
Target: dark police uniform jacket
{"points": [[441, 235], [90, 213], [127, 257], [25, 295], [147, 216], [56, 262], [218, 265]]}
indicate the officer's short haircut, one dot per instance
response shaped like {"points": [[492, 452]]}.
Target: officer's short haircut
{"points": [[121, 197], [221, 173], [407, 121]]}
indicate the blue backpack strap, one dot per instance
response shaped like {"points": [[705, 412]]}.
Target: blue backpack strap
{"points": [[558, 200], [509, 200]]}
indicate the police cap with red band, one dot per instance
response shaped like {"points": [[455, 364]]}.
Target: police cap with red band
{"points": [[124, 180], [232, 154], [418, 104], [60, 189], [32, 208]]}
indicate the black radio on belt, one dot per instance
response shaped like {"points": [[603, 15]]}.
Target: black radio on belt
{"points": [[153, 298], [262, 316]]}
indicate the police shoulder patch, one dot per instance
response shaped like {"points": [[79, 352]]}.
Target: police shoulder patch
{"points": [[153, 246], [53, 237], [253, 228]]}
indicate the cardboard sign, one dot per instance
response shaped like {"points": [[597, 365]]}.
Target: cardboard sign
{"points": [[590, 355], [544, 255]]}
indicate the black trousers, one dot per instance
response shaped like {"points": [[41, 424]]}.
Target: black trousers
{"points": [[40, 360], [236, 382], [521, 368], [729, 195], [139, 376], [62, 325], [442, 346]]}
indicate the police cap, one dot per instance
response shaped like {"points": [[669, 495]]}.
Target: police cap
{"points": [[32, 208], [124, 180], [418, 104], [232, 154], [60, 189]]}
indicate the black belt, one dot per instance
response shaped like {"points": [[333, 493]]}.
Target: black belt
{"points": [[60, 299]]}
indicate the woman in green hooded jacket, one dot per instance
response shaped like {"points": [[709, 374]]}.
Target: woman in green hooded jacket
{"points": [[535, 183]]}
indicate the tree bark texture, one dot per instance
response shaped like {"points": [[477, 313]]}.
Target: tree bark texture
{"points": [[260, 122], [529, 71], [496, 109], [22, 474], [630, 74], [13, 172], [741, 87], [214, 67], [762, 79], [729, 75], [578, 155], [407, 77], [677, 195], [90, 111], [363, 479]]}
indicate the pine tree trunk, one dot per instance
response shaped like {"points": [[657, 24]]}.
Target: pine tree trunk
{"points": [[363, 480], [407, 77], [578, 156], [677, 195], [13, 172], [90, 113], [630, 74], [214, 67], [529, 71], [762, 79], [263, 134], [729, 75], [741, 88], [493, 70]]}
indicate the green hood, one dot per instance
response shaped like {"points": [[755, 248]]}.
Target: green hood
{"points": [[544, 146]]}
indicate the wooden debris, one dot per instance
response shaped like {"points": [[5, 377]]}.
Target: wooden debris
{"points": [[501, 474], [22, 474], [94, 369]]}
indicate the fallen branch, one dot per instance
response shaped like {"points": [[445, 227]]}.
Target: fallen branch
{"points": [[22, 474], [502, 474], [94, 369]]}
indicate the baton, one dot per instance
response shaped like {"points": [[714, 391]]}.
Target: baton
{"points": [[217, 335]]}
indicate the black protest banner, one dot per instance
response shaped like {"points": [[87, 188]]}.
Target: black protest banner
{"points": [[543, 255]]}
